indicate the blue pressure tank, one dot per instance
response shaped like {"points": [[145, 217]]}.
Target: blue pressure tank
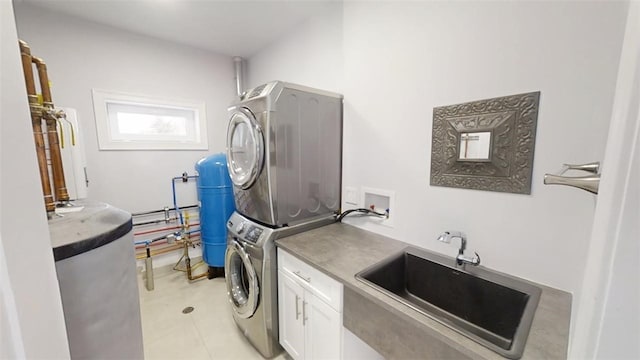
{"points": [[215, 194]]}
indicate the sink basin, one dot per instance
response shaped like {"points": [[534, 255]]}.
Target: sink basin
{"points": [[491, 308]]}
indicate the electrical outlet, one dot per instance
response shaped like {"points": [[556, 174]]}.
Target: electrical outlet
{"points": [[351, 195]]}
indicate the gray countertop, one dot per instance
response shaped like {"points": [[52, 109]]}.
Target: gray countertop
{"points": [[396, 330]]}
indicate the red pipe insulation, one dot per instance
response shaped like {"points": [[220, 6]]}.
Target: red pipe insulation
{"points": [[161, 229], [160, 242], [155, 230]]}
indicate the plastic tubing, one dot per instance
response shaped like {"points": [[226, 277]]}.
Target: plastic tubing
{"points": [[173, 188], [149, 241], [159, 238], [175, 202], [143, 246]]}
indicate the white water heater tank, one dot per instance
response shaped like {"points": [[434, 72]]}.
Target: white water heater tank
{"points": [[96, 269]]}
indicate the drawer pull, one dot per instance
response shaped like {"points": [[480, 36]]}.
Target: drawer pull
{"points": [[307, 279], [304, 312]]}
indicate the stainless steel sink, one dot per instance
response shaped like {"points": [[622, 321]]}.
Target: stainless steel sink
{"points": [[493, 309]]}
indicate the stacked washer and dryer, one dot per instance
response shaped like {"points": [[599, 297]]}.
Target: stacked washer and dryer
{"points": [[284, 154]]}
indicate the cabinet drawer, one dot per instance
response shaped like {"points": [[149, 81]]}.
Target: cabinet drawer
{"points": [[312, 279]]}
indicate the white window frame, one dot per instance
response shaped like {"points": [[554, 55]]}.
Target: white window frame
{"points": [[108, 140]]}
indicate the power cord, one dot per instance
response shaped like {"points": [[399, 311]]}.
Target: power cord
{"points": [[363, 211]]}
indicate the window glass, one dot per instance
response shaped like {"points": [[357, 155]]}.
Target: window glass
{"points": [[130, 122]]}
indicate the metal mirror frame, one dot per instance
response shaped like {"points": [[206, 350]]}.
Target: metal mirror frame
{"points": [[512, 122]]}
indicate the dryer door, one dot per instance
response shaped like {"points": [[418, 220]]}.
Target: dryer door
{"points": [[245, 148], [241, 279]]}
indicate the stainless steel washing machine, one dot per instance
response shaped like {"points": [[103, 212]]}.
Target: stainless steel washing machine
{"points": [[251, 276], [284, 152], [252, 282]]}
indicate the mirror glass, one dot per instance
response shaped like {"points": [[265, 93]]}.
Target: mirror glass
{"points": [[485, 144], [475, 146]]}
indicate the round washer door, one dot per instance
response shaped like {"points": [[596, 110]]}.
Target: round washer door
{"points": [[241, 279], [245, 148]]}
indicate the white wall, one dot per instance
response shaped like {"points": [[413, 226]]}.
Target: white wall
{"points": [[82, 55], [400, 60], [620, 325], [607, 324], [11, 345], [31, 319], [310, 54]]}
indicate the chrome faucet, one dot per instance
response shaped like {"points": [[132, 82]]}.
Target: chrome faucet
{"points": [[461, 259]]}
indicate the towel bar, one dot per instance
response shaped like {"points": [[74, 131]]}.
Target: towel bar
{"points": [[589, 183]]}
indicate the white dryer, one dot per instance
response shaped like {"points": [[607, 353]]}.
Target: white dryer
{"points": [[284, 151]]}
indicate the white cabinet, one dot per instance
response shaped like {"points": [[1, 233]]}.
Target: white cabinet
{"points": [[310, 310], [322, 330], [291, 326]]}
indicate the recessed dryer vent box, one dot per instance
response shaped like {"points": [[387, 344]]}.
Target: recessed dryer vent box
{"points": [[380, 201]]}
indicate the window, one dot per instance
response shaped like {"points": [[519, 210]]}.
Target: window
{"points": [[133, 122]]}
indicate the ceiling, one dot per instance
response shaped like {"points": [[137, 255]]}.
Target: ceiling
{"points": [[227, 27]]}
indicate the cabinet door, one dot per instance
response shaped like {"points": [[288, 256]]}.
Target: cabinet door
{"points": [[291, 327], [323, 329]]}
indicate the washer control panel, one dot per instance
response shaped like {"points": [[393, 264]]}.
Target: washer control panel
{"points": [[256, 91], [240, 227], [253, 234], [245, 229]]}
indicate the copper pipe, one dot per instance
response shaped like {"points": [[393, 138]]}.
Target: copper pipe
{"points": [[187, 262], [166, 242], [36, 123], [164, 250], [159, 251], [156, 230], [51, 118]]}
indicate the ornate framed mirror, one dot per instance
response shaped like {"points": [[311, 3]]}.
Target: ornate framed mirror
{"points": [[485, 144]]}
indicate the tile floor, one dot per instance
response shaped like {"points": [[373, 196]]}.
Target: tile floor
{"points": [[208, 332]]}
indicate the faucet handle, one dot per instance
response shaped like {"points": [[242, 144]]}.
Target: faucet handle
{"points": [[461, 259], [446, 236], [476, 259]]}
